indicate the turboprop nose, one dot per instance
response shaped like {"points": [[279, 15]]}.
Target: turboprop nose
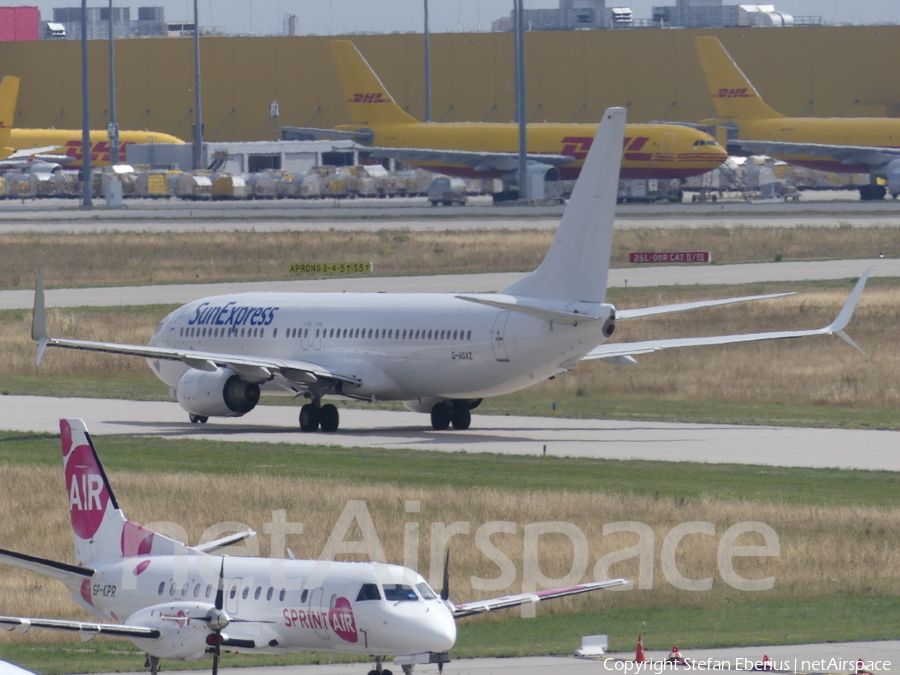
{"points": [[440, 632]]}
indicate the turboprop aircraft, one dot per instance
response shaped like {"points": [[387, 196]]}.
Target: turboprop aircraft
{"points": [[488, 150], [63, 146], [838, 144], [175, 601], [438, 353]]}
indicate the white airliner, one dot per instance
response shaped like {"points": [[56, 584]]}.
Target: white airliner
{"points": [[438, 353], [179, 602]]}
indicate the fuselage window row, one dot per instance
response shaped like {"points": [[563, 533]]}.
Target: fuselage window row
{"points": [[352, 333]]}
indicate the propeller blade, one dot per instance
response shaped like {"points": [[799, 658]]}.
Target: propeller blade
{"points": [[215, 665], [220, 592], [445, 589]]}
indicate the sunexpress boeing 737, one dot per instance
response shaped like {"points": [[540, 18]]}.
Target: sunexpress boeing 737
{"points": [[438, 353], [178, 602]]}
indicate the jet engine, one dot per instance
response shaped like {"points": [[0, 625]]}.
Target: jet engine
{"points": [[220, 393], [185, 627]]}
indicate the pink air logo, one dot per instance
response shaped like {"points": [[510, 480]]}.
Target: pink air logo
{"points": [[88, 495], [342, 622]]}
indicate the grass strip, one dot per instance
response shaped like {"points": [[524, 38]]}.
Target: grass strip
{"points": [[684, 481]]}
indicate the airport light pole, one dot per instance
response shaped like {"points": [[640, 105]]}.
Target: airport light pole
{"points": [[427, 67], [520, 95], [87, 184], [113, 128], [198, 115]]}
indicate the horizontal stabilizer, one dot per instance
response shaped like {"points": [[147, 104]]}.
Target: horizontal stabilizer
{"points": [[230, 540], [49, 568], [520, 305]]}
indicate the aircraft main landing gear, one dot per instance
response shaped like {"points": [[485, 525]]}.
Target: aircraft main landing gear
{"points": [[152, 662], [314, 416], [872, 192], [196, 419], [457, 413]]}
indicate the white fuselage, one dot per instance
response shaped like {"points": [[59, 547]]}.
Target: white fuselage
{"points": [[400, 346], [275, 606]]}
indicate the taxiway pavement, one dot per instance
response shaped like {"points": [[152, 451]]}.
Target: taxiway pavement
{"points": [[608, 439], [452, 283]]}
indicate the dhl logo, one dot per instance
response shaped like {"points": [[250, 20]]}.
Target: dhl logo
{"points": [[578, 146], [368, 98], [734, 93], [99, 150]]}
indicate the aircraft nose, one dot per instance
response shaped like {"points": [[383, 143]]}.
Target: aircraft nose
{"points": [[434, 630]]}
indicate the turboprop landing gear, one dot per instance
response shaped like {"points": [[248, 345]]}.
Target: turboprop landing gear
{"points": [[195, 419], [378, 670], [314, 416], [152, 662]]}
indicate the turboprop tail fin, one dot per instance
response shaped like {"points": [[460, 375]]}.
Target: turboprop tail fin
{"points": [[732, 93], [577, 264], [368, 100], [100, 528], [9, 93]]}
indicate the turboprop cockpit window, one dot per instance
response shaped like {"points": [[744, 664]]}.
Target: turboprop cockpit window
{"points": [[426, 592], [368, 592], [399, 592]]}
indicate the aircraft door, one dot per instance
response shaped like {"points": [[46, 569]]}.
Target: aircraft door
{"points": [[318, 614], [667, 147], [306, 336], [317, 336], [232, 595], [498, 339]]}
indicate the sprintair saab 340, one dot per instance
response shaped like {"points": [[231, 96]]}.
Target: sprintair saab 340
{"points": [[438, 353], [179, 602]]}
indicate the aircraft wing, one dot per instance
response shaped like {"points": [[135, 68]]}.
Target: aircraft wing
{"points": [[495, 604], [29, 156], [872, 156], [479, 161], [256, 369], [621, 353], [49, 568], [87, 629]]}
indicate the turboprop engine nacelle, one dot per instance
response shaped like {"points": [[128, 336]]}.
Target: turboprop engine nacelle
{"points": [[185, 627], [219, 393]]}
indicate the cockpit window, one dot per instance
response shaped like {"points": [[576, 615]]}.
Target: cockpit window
{"points": [[368, 592], [426, 592], [399, 592]]}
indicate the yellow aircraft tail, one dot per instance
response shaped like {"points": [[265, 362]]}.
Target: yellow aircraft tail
{"points": [[732, 93], [9, 93], [367, 99]]}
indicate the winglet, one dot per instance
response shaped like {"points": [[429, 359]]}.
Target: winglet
{"points": [[39, 319], [843, 318]]}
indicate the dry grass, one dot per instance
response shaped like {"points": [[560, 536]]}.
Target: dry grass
{"points": [[143, 258], [820, 370], [823, 549]]}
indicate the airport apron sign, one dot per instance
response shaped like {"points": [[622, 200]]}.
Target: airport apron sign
{"points": [[671, 258]]}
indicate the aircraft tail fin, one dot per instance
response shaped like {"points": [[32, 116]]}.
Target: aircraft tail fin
{"points": [[732, 92], [100, 528], [577, 264], [9, 94], [368, 101]]}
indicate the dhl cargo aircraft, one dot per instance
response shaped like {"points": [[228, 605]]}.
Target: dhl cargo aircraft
{"points": [[840, 144], [62, 146], [489, 150]]}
